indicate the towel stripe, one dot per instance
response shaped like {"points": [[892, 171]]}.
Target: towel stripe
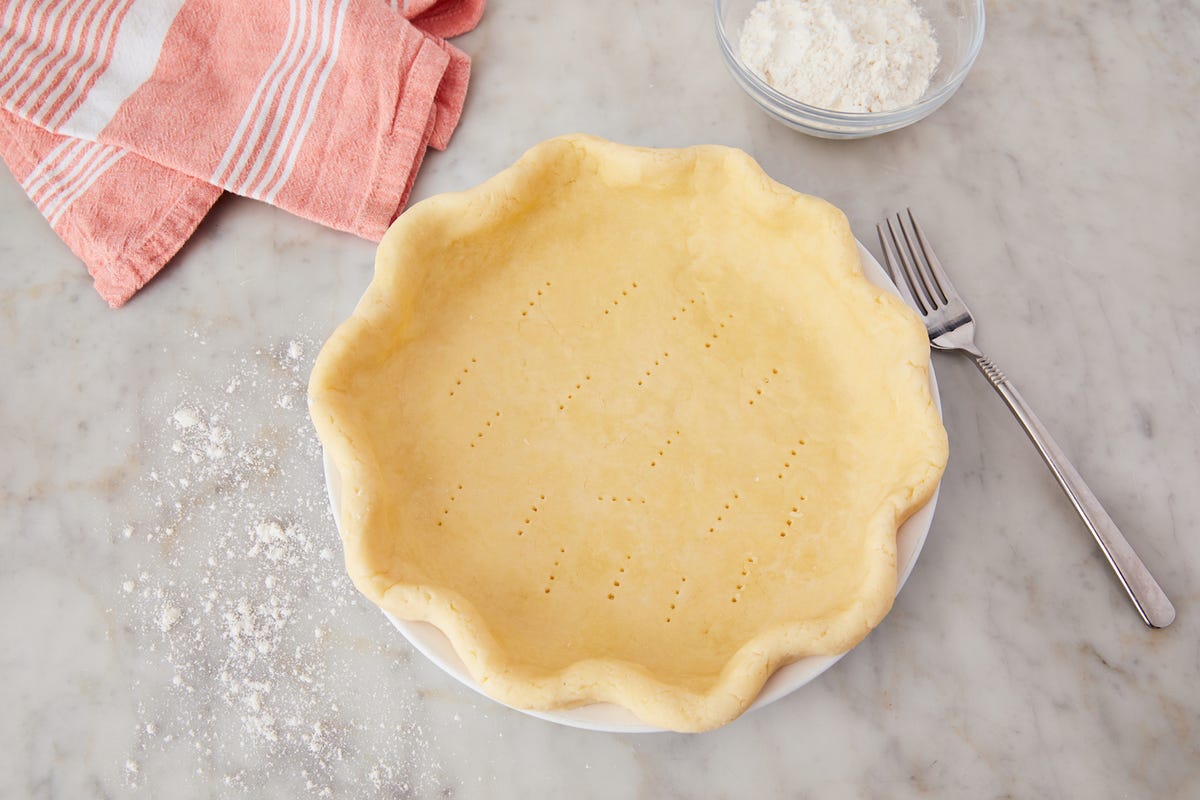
{"points": [[16, 20], [110, 158], [260, 103], [264, 153], [62, 175], [35, 42], [297, 85], [22, 37], [295, 142], [45, 170], [42, 74], [135, 53], [265, 141], [66, 172], [98, 56], [305, 108], [34, 67], [10, 11], [67, 51], [82, 40]]}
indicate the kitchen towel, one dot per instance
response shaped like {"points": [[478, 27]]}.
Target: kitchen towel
{"points": [[125, 119]]}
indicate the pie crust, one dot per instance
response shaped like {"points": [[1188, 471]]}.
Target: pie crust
{"points": [[628, 425]]}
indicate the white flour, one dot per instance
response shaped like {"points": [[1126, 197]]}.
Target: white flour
{"points": [[844, 55], [238, 605]]}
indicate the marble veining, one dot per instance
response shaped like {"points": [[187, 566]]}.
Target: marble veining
{"points": [[1060, 185]]}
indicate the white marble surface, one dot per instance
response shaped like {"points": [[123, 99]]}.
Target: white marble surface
{"points": [[1061, 186]]}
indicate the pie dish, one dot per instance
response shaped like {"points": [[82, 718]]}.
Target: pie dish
{"points": [[628, 426]]}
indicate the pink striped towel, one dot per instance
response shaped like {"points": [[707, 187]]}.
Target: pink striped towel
{"points": [[124, 120]]}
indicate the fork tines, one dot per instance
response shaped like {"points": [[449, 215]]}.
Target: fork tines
{"points": [[913, 265]]}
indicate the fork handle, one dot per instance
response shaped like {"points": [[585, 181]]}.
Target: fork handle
{"points": [[1144, 591]]}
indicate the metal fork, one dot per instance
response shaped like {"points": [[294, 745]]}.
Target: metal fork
{"points": [[923, 284]]}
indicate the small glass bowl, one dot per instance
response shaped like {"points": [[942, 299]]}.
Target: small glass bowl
{"points": [[957, 25]]}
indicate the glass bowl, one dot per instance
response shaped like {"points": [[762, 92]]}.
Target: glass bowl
{"points": [[957, 25]]}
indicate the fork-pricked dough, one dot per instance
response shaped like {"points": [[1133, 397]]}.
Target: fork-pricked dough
{"points": [[628, 425]]}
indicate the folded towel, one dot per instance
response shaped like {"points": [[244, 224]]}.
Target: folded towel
{"points": [[124, 119]]}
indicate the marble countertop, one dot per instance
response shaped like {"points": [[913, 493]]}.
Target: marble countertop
{"points": [[174, 619]]}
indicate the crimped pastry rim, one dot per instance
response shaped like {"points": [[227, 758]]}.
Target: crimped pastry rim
{"points": [[602, 680]]}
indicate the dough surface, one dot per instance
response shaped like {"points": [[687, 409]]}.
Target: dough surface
{"points": [[628, 425]]}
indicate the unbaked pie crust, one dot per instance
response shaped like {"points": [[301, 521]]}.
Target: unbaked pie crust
{"points": [[628, 425]]}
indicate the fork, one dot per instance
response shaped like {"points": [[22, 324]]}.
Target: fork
{"points": [[923, 284]]}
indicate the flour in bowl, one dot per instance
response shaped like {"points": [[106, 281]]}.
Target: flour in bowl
{"points": [[844, 55]]}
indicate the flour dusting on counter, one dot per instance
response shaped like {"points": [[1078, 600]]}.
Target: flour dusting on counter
{"points": [[843, 55], [240, 600]]}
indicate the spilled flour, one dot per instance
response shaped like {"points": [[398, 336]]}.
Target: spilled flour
{"points": [[238, 604]]}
